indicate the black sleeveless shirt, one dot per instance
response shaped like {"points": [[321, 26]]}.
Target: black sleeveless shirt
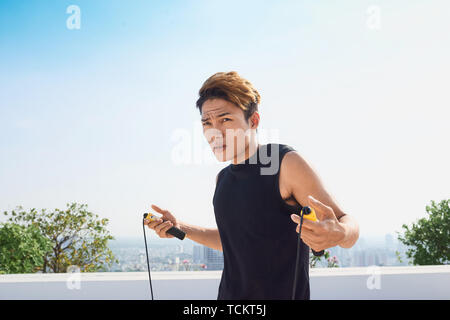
{"points": [[258, 236]]}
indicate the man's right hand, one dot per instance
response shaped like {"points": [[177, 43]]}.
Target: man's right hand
{"points": [[161, 225]]}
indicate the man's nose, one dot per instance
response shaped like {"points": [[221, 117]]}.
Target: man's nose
{"points": [[215, 134], [219, 137]]}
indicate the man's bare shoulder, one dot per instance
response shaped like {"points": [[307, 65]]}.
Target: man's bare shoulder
{"points": [[298, 179], [293, 161], [295, 173]]}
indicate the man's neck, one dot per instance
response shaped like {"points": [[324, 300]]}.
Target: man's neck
{"points": [[249, 151]]}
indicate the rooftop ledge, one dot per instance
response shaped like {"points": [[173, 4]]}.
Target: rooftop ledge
{"points": [[416, 282]]}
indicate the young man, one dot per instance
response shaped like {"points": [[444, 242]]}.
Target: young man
{"points": [[257, 201]]}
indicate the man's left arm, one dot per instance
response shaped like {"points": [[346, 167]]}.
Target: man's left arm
{"points": [[351, 231], [334, 226]]}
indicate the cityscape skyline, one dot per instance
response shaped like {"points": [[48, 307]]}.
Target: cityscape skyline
{"points": [[169, 254]]}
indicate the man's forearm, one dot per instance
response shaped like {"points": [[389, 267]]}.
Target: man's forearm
{"points": [[206, 236], [351, 231]]}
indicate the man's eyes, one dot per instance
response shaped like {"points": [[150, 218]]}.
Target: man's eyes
{"points": [[224, 120]]}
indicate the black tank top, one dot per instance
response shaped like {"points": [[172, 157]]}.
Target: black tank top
{"points": [[258, 236]]}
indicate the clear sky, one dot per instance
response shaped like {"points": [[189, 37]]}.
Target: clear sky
{"points": [[359, 88]]}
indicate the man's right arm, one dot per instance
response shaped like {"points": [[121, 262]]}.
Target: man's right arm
{"points": [[209, 237]]}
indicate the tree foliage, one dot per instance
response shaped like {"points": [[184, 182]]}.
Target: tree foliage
{"points": [[22, 249], [78, 237], [428, 239]]}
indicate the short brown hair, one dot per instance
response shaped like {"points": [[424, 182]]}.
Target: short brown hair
{"points": [[230, 87]]}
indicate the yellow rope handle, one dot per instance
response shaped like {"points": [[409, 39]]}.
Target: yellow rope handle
{"points": [[311, 216]]}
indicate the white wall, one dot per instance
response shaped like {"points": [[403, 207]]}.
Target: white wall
{"points": [[424, 282]]}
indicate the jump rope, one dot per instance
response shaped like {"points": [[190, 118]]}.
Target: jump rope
{"points": [[174, 231], [310, 214], [306, 212]]}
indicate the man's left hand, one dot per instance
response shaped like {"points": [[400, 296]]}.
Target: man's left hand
{"points": [[325, 233]]}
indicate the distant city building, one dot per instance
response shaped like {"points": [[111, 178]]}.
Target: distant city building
{"points": [[212, 258], [199, 254]]}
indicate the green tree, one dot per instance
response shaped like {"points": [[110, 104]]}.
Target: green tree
{"points": [[78, 237], [428, 240], [22, 249]]}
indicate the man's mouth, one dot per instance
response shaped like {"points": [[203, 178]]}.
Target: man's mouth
{"points": [[219, 148]]}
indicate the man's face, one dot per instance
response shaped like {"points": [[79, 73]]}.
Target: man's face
{"points": [[225, 128]]}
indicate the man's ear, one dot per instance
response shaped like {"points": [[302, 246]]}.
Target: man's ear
{"points": [[254, 119]]}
